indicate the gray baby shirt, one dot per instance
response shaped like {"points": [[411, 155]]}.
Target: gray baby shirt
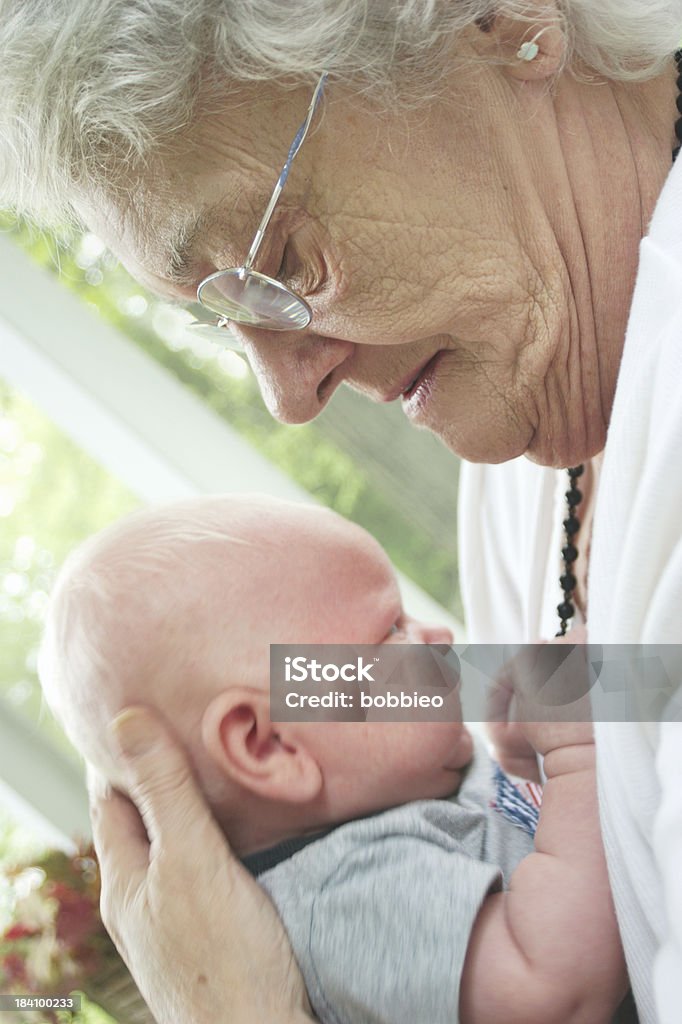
{"points": [[379, 910]]}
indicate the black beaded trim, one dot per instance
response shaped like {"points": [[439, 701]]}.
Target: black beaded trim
{"points": [[569, 551], [678, 123], [574, 496]]}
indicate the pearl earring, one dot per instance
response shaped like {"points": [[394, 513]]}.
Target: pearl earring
{"points": [[529, 50]]}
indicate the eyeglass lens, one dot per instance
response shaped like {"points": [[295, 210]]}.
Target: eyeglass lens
{"points": [[250, 298], [244, 296]]}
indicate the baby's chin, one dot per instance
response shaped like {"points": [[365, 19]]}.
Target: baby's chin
{"points": [[462, 754], [446, 777]]}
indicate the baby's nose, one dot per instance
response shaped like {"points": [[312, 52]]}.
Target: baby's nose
{"points": [[428, 633]]}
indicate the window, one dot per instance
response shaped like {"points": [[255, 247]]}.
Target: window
{"points": [[366, 462]]}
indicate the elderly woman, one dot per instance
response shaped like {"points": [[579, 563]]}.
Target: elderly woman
{"points": [[459, 230]]}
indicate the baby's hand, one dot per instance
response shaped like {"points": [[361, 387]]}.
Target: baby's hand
{"points": [[512, 750], [548, 947], [542, 698]]}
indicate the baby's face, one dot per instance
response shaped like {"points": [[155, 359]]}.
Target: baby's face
{"points": [[274, 572], [345, 591]]}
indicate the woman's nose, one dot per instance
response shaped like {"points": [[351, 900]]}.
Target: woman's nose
{"points": [[297, 374]]}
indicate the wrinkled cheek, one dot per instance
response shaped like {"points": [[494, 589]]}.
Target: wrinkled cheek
{"points": [[371, 304], [381, 321]]}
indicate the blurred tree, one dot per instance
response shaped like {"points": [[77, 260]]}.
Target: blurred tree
{"points": [[17, 845], [52, 496], [367, 463]]}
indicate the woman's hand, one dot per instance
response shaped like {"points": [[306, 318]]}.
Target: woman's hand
{"points": [[200, 937]]}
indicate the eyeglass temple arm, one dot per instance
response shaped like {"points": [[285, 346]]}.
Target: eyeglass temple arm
{"points": [[284, 174]]}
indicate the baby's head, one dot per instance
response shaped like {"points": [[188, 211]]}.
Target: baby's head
{"points": [[176, 607]]}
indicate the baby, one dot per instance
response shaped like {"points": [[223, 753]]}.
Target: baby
{"points": [[406, 895]]}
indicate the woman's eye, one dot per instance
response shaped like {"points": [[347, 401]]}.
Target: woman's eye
{"points": [[282, 271], [301, 276], [287, 269]]}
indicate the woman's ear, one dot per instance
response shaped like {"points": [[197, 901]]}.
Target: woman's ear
{"points": [[244, 744], [531, 50]]}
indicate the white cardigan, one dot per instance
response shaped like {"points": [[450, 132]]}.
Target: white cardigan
{"points": [[510, 539]]}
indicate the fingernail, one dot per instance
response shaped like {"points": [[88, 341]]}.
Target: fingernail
{"points": [[130, 730]]}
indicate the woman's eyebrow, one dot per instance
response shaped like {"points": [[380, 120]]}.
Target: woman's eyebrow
{"points": [[182, 250]]}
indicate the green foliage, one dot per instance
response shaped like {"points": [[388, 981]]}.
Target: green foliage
{"points": [[420, 538], [17, 845], [52, 496]]}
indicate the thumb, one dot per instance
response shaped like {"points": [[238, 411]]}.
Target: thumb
{"points": [[160, 779]]}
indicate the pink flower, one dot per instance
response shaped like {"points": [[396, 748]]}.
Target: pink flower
{"points": [[35, 911], [14, 968], [76, 918], [18, 931]]}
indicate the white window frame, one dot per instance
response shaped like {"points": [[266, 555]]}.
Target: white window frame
{"points": [[140, 423]]}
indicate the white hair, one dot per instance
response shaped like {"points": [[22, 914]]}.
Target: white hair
{"points": [[104, 635], [92, 87], [132, 575]]}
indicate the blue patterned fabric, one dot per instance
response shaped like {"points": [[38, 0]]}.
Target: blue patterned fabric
{"points": [[512, 805]]}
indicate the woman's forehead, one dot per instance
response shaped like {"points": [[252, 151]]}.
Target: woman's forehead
{"points": [[167, 237], [201, 199], [211, 186]]}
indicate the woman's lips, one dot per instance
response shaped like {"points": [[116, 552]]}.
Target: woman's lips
{"points": [[409, 384], [416, 397]]}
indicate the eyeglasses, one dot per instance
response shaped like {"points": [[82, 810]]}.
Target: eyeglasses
{"points": [[242, 295]]}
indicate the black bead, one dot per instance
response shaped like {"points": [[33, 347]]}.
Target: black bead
{"points": [[676, 152], [574, 496], [565, 610], [569, 553], [678, 101], [568, 582], [571, 525], [576, 471], [678, 128]]}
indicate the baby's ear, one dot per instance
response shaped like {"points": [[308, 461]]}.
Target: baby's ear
{"points": [[244, 744]]}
